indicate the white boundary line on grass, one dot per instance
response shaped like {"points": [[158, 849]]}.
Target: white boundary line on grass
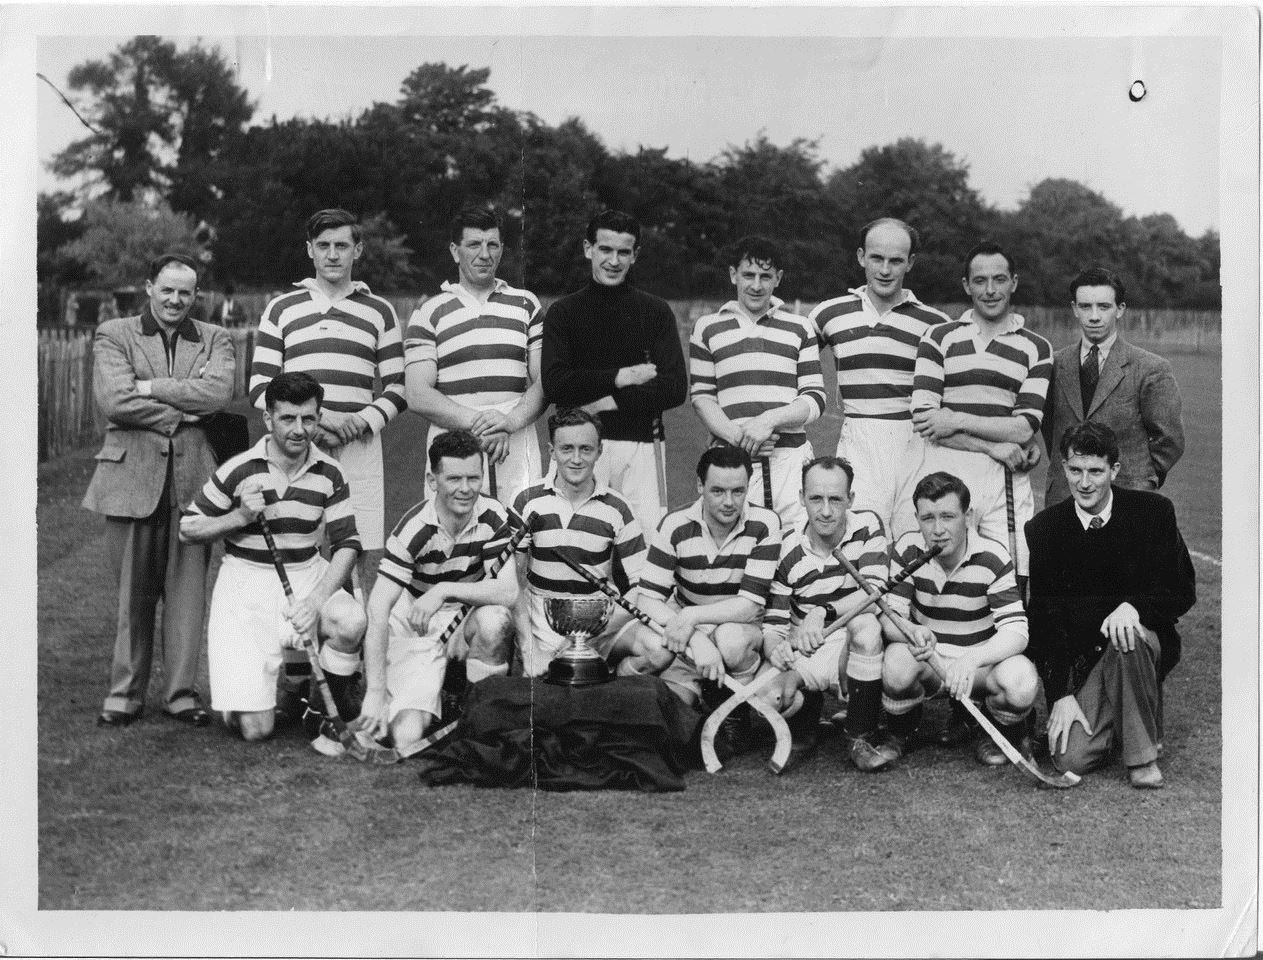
{"points": [[1196, 555]]}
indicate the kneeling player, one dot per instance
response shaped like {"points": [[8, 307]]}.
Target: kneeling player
{"points": [[706, 579], [964, 604], [570, 513], [810, 590], [435, 561], [299, 487]]}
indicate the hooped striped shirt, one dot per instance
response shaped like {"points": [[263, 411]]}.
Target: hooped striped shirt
{"points": [[601, 534], [346, 344], [480, 349], [875, 353], [685, 560], [806, 579], [420, 552], [967, 605], [1006, 377], [318, 492], [751, 366]]}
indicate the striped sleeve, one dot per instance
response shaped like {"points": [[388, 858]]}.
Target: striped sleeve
{"points": [[873, 562], [420, 339], [701, 363], [630, 552], [340, 528], [761, 564], [535, 323], [927, 381], [401, 552], [218, 495], [1003, 598], [268, 358], [902, 593], [810, 378], [776, 615], [390, 400], [1034, 390], [657, 575], [495, 518]]}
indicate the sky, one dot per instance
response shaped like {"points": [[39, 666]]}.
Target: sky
{"points": [[1016, 108]]}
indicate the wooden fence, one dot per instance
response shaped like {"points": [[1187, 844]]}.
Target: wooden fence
{"points": [[69, 419]]}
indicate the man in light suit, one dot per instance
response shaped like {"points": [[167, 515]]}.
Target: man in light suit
{"points": [[1103, 378], [156, 376]]}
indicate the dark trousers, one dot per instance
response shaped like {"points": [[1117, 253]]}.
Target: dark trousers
{"points": [[150, 563], [1123, 705]]}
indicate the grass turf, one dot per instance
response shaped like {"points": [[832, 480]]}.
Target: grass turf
{"points": [[197, 820]]}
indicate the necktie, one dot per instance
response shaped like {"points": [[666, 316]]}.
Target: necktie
{"points": [[1096, 523], [1089, 374]]}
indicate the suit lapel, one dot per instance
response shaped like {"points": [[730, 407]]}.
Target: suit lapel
{"points": [[153, 351], [186, 354], [1111, 374], [1067, 376]]}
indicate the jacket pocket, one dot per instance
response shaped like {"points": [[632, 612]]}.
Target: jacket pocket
{"points": [[112, 454]]}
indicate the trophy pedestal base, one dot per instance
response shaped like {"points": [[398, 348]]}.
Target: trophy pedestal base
{"points": [[568, 671]]}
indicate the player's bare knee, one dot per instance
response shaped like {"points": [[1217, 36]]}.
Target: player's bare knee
{"points": [[491, 637], [864, 635], [737, 646], [1018, 682], [408, 726], [343, 622], [899, 669]]}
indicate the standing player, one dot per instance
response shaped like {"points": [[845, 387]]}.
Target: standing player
{"points": [[964, 604], [755, 370], [978, 399], [810, 590], [302, 492], [472, 355], [435, 561], [570, 511], [706, 580], [333, 328], [615, 350], [874, 332]]}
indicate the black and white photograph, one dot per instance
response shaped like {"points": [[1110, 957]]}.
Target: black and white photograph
{"points": [[631, 480]]}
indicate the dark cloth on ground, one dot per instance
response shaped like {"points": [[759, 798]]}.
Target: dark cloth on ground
{"points": [[630, 734]]}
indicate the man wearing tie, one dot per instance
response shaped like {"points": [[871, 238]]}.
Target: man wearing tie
{"points": [[1105, 379]]}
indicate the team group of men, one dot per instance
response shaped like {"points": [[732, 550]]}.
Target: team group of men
{"points": [[770, 569]]}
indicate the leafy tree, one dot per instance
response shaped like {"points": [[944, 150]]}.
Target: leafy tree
{"points": [[120, 239], [162, 118], [924, 185], [53, 232]]}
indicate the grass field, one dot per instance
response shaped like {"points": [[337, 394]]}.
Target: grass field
{"points": [[163, 817]]}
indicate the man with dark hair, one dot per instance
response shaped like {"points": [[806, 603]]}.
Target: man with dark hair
{"points": [[615, 350], [874, 332], [302, 492], [333, 328], [1110, 578], [472, 355], [755, 372], [156, 377], [570, 511], [812, 589], [964, 604], [706, 581], [978, 400], [1104, 379], [436, 560]]}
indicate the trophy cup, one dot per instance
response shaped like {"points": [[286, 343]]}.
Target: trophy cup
{"points": [[578, 618]]}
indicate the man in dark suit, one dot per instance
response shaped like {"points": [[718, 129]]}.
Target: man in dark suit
{"points": [[156, 377], [1105, 379], [1110, 577]]}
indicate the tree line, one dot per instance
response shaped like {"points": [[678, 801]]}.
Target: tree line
{"points": [[176, 158]]}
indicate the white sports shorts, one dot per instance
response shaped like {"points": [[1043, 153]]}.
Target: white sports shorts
{"points": [[886, 455], [522, 467], [787, 483], [628, 468], [415, 664], [361, 463]]}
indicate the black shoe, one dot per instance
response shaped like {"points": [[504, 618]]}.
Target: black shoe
{"points": [[737, 729], [960, 729], [990, 753], [116, 718], [193, 716]]}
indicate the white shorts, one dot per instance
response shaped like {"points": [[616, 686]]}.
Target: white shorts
{"points": [[522, 467], [544, 643], [245, 627], [629, 468], [886, 455], [787, 483], [985, 479], [415, 664], [361, 463], [821, 670]]}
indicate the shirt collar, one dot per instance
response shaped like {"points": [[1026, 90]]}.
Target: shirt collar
{"points": [[1016, 321], [1085, 518], [186, 328], [314, 455], [459, 290], [430, 515], [309, 284], [907, 296], [550, 481], [1103, 347], [734, 308], [696, 512]]}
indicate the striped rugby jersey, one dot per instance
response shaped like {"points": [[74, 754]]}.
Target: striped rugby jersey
{"points": [[804, 579], [685, 560], [966, 606], [480, 349], [602, 534], [317, 493], [345, 344], [750, 367], [875, 354], [420, 553], [1009, 376]]}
